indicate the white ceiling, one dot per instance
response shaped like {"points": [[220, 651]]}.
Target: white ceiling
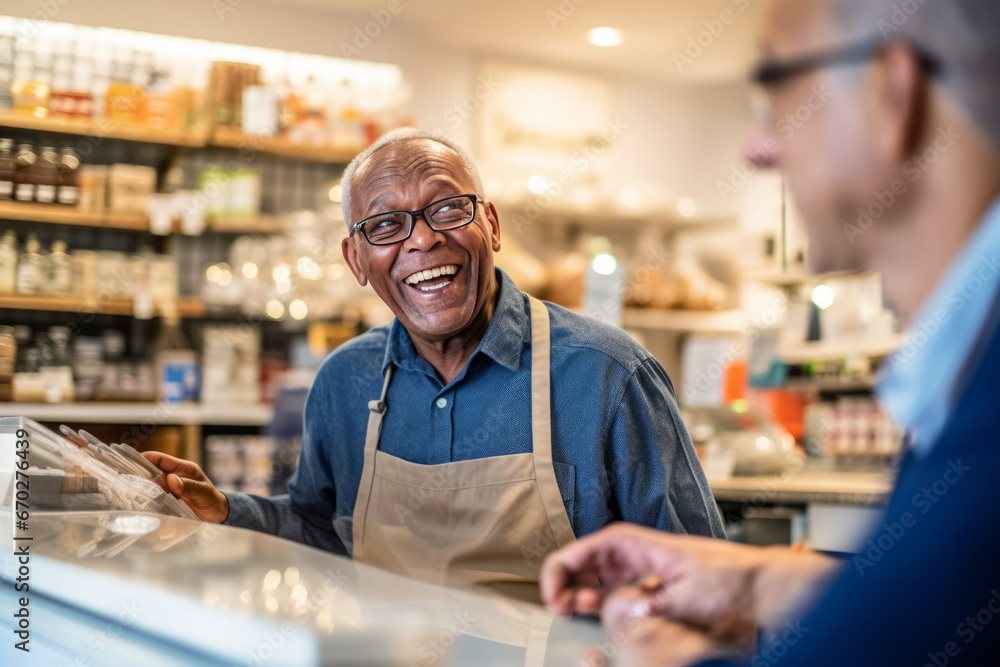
{"points": [[654, 31]]}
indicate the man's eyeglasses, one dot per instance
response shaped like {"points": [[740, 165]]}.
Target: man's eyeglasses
{"points": [[774, 72], [397, 226]]}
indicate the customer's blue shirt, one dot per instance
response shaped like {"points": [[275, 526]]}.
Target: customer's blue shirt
{"points": [[920, 384], [620, 449]]}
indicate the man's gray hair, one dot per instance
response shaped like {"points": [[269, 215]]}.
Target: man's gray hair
{"points": [[392, 138], [964, 35]]}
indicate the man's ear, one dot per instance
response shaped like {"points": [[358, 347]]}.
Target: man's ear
{"points": [[351, 257], [900, 102], [494, 224]]}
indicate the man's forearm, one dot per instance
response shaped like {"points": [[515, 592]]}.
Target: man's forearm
{"points": [[279, 516], [788, 583]]}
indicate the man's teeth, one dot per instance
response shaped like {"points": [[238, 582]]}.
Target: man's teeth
{"points": [[420, 276]]}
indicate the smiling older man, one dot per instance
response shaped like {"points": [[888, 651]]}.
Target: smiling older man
{"points": [[483, 428]]}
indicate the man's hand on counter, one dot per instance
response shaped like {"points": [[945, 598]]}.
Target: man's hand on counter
{"points": [[187, 481], [718, 587]]}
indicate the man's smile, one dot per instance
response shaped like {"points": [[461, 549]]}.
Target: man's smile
{"points": [[433, 279]]}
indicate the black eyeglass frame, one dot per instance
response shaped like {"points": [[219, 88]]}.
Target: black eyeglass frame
{"points": [[774, 72], [476, 200]]}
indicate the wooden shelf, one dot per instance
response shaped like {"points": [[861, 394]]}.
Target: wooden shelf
{"points": [[231, 137], [690, 321], [831, 351], [602, 215], [68, 215], [798, 275], [260, 225], [187, 307], [138, 413], [108, 129]]}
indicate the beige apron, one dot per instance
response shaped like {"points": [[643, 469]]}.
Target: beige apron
{"points": [[486, 521]]}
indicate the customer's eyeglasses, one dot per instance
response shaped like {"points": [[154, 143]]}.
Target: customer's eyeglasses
{"points": [[770, 73], [397, 226]]}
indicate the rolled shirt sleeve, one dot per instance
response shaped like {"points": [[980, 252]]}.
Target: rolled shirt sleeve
{"points": [[306, 513], [654, 473]]}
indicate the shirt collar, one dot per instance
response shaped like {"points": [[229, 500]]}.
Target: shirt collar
{"points": [[920, 382], [503, 341]]}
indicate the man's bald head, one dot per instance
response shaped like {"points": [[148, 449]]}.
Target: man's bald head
{"points": [[962, 35], [395, 139]]}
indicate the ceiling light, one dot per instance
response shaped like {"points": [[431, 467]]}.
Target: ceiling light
{"points": [[687, 207], [822, 296], [537, 184], [605, 36]]}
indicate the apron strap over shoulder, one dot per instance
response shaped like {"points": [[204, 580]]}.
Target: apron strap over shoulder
{"points": [[377, 410], [541, 425]]}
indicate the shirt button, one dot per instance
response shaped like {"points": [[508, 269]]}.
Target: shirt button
{"points": [[442, 402]]}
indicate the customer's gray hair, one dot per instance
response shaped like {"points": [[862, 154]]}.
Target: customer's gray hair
{"points": [[392, 138], [964, 35]]}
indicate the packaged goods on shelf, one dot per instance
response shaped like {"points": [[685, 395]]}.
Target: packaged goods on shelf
{"points": [[77, 78], [232, 194], [260, 465], [130, 186], [230, 364]]}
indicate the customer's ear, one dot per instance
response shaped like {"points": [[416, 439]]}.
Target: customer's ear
{"points": [[900, 102]]}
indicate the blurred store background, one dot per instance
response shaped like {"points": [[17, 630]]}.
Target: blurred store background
{"points": [[170, 265]]}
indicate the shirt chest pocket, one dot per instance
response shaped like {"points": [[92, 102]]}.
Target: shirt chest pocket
{"points": [[566, 478]]}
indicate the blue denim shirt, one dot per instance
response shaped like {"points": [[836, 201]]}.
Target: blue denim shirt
{"points": [[620, 449]]}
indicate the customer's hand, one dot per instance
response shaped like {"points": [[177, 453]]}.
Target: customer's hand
{"points": [[640, 639], [187, 481], [719, 587]]}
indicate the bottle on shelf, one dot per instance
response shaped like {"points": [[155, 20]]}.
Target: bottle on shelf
{"points": [[176, 363], [46, 170], [61, 102], [161, 101], [125, 99], [31, 268], [68, 191], [80, 91], [8, 169], [58, 270], [8, 263], [30, 91], [6, 71], [24, 176]]}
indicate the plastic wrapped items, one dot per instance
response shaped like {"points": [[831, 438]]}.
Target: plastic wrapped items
{"points": [[79, 472]]}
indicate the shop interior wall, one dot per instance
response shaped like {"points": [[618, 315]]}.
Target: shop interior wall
{"points": [[683, 138]]}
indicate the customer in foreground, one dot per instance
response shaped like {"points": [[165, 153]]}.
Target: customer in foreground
{"points": [[898, 171]]}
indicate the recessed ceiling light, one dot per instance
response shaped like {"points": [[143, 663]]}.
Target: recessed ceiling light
{"points": [[605, 36]]}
